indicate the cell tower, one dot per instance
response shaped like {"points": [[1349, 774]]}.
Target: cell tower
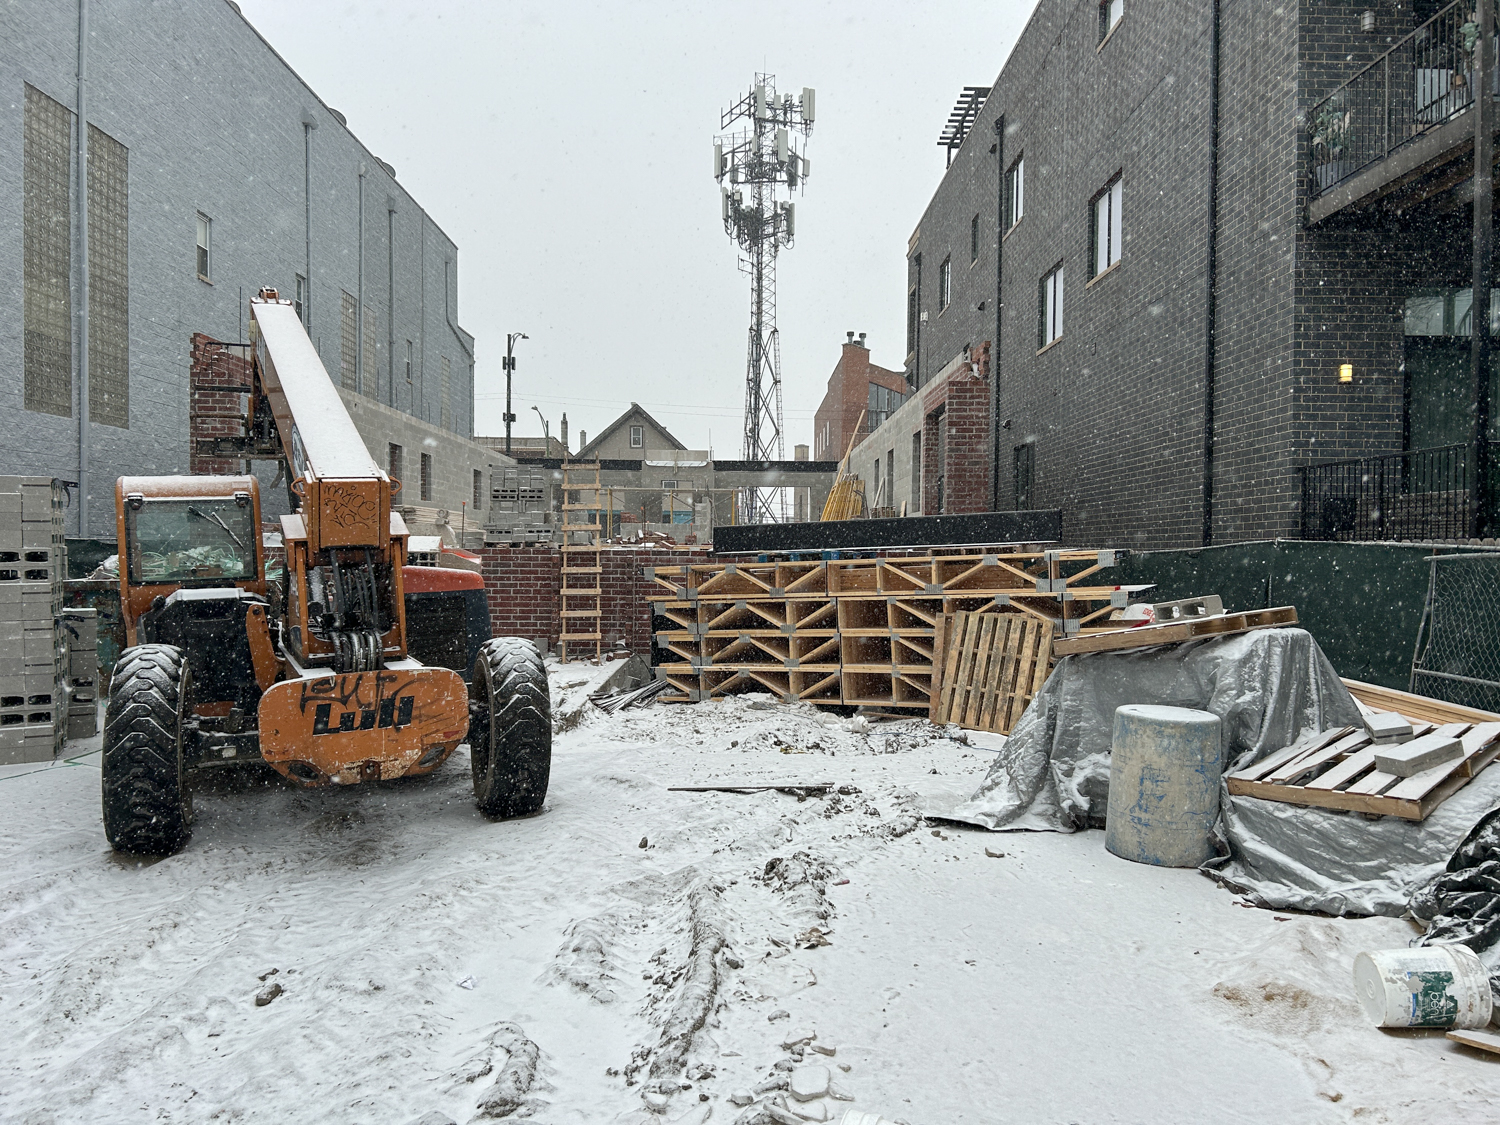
{"points": [[758, 167]]}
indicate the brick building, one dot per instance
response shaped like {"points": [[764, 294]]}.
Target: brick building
{"points": [[1202, 266], [212, 169], [860, 397]]}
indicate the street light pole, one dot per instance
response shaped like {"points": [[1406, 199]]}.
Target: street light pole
{"points": [[546, 429], [510, 368]]}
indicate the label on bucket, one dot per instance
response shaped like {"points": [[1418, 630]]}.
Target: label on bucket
{"points": [[1433, 1000]]}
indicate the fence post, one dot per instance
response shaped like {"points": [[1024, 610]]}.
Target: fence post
{"points": [[1306, 474]]}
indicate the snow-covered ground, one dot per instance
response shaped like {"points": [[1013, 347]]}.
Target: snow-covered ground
{"points": [[427, 955]]}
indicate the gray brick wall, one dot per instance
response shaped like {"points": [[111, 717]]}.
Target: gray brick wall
{"points": [[212, 119]]}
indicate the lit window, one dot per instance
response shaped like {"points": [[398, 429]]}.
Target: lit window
{"points": [[1107, 227], [205, 225], [1015, 192], [637, 437], [1110, 12], [945, 284], [1050, 307]]}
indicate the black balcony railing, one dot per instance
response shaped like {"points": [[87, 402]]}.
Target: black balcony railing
{"points": [[1421, 495], [1424, 80]]}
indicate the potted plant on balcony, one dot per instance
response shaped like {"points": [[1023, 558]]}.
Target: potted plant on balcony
{"points": [[1330, 137]]}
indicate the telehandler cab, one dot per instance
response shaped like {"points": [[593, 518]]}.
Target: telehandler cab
{"points": [[318, 683]]}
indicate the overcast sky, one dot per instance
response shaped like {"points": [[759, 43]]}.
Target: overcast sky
{"points": [[567, 149]]}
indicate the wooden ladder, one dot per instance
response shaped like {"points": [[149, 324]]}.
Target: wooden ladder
{"points": [[582, 567]]}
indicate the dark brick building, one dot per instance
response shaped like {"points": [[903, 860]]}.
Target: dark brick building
{"points": [[1195, 274]]}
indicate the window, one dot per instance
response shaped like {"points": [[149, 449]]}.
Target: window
{"points": [[1015, 192], [1050, 308], [945, 284], [348, 341], [916, 472], [393, 460], [427, 476], [974, 239], [883, 402], [1110, 12], [913, 307], [300, 301], [109, 280], [205, 229], [478, 489], [408, 363], [890, 475], [1023, 466], [637, 437], [876, 499], [47, 305], [1107, 228]]}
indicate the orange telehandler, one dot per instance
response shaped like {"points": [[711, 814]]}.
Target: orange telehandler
{"points": [[318, 683]]}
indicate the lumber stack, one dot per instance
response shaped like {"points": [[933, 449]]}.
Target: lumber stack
{"points": [[32, 571], [856, 631]]}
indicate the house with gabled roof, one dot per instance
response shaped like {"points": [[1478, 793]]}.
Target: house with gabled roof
{"points": [[629, 437]]}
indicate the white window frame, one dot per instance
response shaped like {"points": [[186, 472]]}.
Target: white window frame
{"points": [[945, 283], [1050, 307], [1111, 12], [1108, 229], [637, 437], [204, 257], [1015, 193]]}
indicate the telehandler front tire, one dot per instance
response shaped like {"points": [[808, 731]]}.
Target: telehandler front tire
{"points": [[147, 807], [510, 728]]}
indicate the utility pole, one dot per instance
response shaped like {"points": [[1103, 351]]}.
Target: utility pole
{"points": [[510, 369]]}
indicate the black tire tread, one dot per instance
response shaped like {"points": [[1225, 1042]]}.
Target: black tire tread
{"points": [[145, 803], [510, 683]]}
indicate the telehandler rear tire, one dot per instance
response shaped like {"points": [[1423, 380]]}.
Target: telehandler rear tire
{"points": [[510, 728], [147, 807]]}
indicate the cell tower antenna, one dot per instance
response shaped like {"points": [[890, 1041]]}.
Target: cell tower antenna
{"points": [[760, 165]]}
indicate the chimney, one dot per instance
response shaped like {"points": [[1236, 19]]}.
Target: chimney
{"points": [[563, 432], [862, 340], [850, 340], [583, 439]]}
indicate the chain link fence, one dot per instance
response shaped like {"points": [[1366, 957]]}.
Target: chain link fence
{"points": [[1457, 655]]}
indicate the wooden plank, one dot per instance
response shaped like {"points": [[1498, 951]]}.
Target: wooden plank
{"points": [[939, 653], [1416, 706], [1315, 753], [981, 670], [1375, 782], [1176, 632], [1043, 666], [1477, 1038], [1419, 785], [1004, 674], [965, 678], [1326, 799], [1020, 679], [1310, 763], [958, 626], [1346, 771]]}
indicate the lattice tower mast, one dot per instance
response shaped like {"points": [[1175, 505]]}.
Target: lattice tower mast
{"points": [[759, 167]]}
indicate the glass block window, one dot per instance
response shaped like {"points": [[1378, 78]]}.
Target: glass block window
{"points": [[478, 490], [109, 280], [427, 476], [46, 235], [348, 341]]}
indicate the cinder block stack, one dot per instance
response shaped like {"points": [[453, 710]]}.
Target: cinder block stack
{"points": [[80, 629], [32, 655]]}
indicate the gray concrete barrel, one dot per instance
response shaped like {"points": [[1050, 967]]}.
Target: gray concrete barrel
{"points": [[1164, 769]]}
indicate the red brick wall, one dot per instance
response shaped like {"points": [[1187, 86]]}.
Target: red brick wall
{"points": [[966, 476], [931, 470], [847, 397], [522, 585], [218, 397]]}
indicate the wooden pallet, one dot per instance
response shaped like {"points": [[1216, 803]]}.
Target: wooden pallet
{"points": [[1416, 706], [1336, 770], [993, 664], [1176, 632]]}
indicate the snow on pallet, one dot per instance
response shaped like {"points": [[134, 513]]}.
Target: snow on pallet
{"points": [[1336, 770]]}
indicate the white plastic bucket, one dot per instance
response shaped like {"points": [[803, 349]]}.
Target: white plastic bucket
{"points": [[1430, 986]]}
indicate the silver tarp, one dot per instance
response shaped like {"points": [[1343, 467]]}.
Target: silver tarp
{"points": [[1269, 688]]}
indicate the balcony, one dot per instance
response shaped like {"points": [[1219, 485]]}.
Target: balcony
{"points": [[1401, 125], [1423, 495]]}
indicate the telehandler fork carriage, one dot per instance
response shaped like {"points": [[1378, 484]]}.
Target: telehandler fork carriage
{"points": [[315, 680]]}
